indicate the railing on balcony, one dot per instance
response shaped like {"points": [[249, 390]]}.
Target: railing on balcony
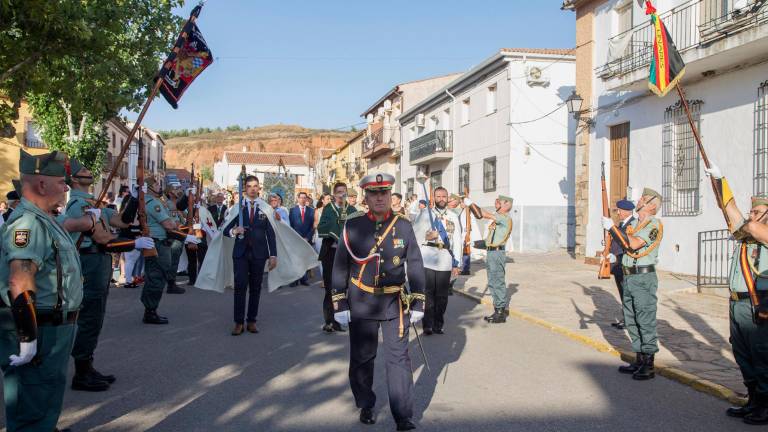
{"points": [[439, 141], [373, 141], [692, 24]]}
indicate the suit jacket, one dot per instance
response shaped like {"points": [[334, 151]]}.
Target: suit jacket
{"points": [[218, 216], [259, 237], [615, 247], [306, 228]]}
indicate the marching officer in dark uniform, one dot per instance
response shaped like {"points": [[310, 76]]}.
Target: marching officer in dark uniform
{"points": [[369, 278], [255, 244]]}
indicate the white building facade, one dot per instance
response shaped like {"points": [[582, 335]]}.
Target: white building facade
{"points": [[154, 162], [227, 171], [724, 44], [502, 128]]}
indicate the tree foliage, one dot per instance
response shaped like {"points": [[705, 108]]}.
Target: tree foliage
{"points": [[79, 62], [207, 174]]}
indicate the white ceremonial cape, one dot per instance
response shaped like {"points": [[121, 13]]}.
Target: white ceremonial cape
{"points": [[294, 256]]}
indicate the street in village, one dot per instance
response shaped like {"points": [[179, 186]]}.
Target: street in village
{"points": [[192, 375]]}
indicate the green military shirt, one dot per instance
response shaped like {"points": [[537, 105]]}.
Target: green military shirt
{"points": [[499, 232], [650, 233], [157, 213], [757, 254], [31, 234], [332, 220], [78, 203]]}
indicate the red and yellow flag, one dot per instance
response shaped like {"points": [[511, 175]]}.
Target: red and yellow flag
{"points": [[667, 67]]}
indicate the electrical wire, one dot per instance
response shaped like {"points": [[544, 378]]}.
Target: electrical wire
{"points": [[533, 147], [539, 118]]}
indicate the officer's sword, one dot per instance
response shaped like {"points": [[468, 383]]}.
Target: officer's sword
{"points": [[421, 347]]}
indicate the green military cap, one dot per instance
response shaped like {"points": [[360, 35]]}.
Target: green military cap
{"points": [[54, 164], [15, 194], [75, 167], [351, 193], [651, 193], [758, 201], [505, 198]]}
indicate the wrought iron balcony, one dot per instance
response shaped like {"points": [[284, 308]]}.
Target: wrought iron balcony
{"points": [[373, 143], [434, 146], [693, 24]]}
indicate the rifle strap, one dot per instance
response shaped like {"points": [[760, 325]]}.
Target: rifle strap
{"points": [[746, 271]]}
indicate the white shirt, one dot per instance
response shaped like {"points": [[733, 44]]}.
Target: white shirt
{"points": [[435, 258]]}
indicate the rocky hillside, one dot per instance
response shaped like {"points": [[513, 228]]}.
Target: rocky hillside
{"points": [[205, 149]]}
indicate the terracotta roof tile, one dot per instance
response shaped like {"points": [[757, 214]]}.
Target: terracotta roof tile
{"points": [[546, 51], [254, 158]]}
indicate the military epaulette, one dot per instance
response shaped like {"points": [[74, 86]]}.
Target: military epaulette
{"points": [[355, 214]]}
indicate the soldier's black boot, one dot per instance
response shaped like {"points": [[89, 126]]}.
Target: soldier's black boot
{"points": [[151, 317], [174, 289], [405, 425], [108, 378], [367, 417], [493, 315], [84, 380], [632, 367], [499, 317], [742, 411], [646, 370], [759, 414]]}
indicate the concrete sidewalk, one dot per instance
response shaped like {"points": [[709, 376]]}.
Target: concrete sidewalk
{"points": [[557, 289]]}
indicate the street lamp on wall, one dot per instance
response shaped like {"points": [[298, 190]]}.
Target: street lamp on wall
{"points": [[574, 103]]}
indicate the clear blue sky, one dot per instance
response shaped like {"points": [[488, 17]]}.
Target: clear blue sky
{"points": [[320, 63]]}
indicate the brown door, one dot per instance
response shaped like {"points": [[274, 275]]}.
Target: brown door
{"points": [[619, 163]]}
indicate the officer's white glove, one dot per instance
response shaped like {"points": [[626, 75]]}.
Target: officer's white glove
{"points": [[343, 317], [95, 212], [27, 351], [612, 258], [191, 239], [416, 316], [714, 171], [607, 223], [144, 243], [468, 202]]}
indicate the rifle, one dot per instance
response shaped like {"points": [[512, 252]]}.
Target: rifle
{"points": [[142, 210], [605, 263], [468, 227], [190, 221], [198, 198]]}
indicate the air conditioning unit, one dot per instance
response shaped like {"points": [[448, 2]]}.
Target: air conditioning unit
{"points": [[369, 118], [380, 111], [420, 120], [387, 105]]}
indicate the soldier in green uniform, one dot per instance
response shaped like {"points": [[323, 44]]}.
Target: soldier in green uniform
{"points": [[640, 242], [748, 272], [82, 219], [172, 197], [352, 201], [329, 228], [163, 229], [496, 255], [41, 281]]}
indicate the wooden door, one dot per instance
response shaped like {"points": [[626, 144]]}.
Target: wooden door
{"points": [[619, 174]]}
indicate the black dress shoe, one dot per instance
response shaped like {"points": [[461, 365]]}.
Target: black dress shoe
{"points": [[438, 331], [427, 331], [748, 408], [175, 289], [151, 317], [238, 330], [337, 327], [88, 382], [108, 378], [366, 416], [405, 425], [328, 328], [294, 284], [465, 273], [251, 327], [498, 317], [632, 367]]}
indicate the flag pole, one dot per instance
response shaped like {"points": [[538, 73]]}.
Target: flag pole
{"points": [[700, 146]]}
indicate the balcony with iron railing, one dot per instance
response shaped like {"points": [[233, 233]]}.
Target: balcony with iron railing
{"points": [[695, 26], [373, 143], [431, 147]]}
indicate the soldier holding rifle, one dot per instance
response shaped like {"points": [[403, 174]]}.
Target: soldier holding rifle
{"points": [[640, 243]]}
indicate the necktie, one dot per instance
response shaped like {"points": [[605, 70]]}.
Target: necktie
{"points": [[302, 214], [253, 212]]}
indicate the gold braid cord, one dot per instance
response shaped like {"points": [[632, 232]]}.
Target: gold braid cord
{"points": [[407, 299], [648, 249]]}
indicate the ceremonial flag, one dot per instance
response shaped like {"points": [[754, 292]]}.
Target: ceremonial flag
{"points": [[190, 56], [667, 67]]}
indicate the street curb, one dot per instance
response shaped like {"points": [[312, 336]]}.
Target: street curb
{"points": [[685, 378]]}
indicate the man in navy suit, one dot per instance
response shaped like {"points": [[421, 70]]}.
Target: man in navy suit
{"points": [[218, 210], [302, 220], [254, 246]]}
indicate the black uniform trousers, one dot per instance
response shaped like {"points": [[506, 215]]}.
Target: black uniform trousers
{"points": [[618, 275], [437, 290], [364, 340], [327, 263], [249, 274], [195, 261]]}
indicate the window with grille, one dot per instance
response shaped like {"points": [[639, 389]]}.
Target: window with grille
{"points": [[680, 161], [489, 174], [463, 178], [760, 157], [436, 179]]}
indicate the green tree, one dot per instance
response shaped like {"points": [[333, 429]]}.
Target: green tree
{"points": [[207, 174], [80, 62]]}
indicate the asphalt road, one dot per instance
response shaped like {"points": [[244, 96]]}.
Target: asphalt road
{"points": [[193, 376]]}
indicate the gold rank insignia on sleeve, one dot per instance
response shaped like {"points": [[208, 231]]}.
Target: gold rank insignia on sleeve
{"points": [[338, 297], [396, 260], [21, 238]]}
